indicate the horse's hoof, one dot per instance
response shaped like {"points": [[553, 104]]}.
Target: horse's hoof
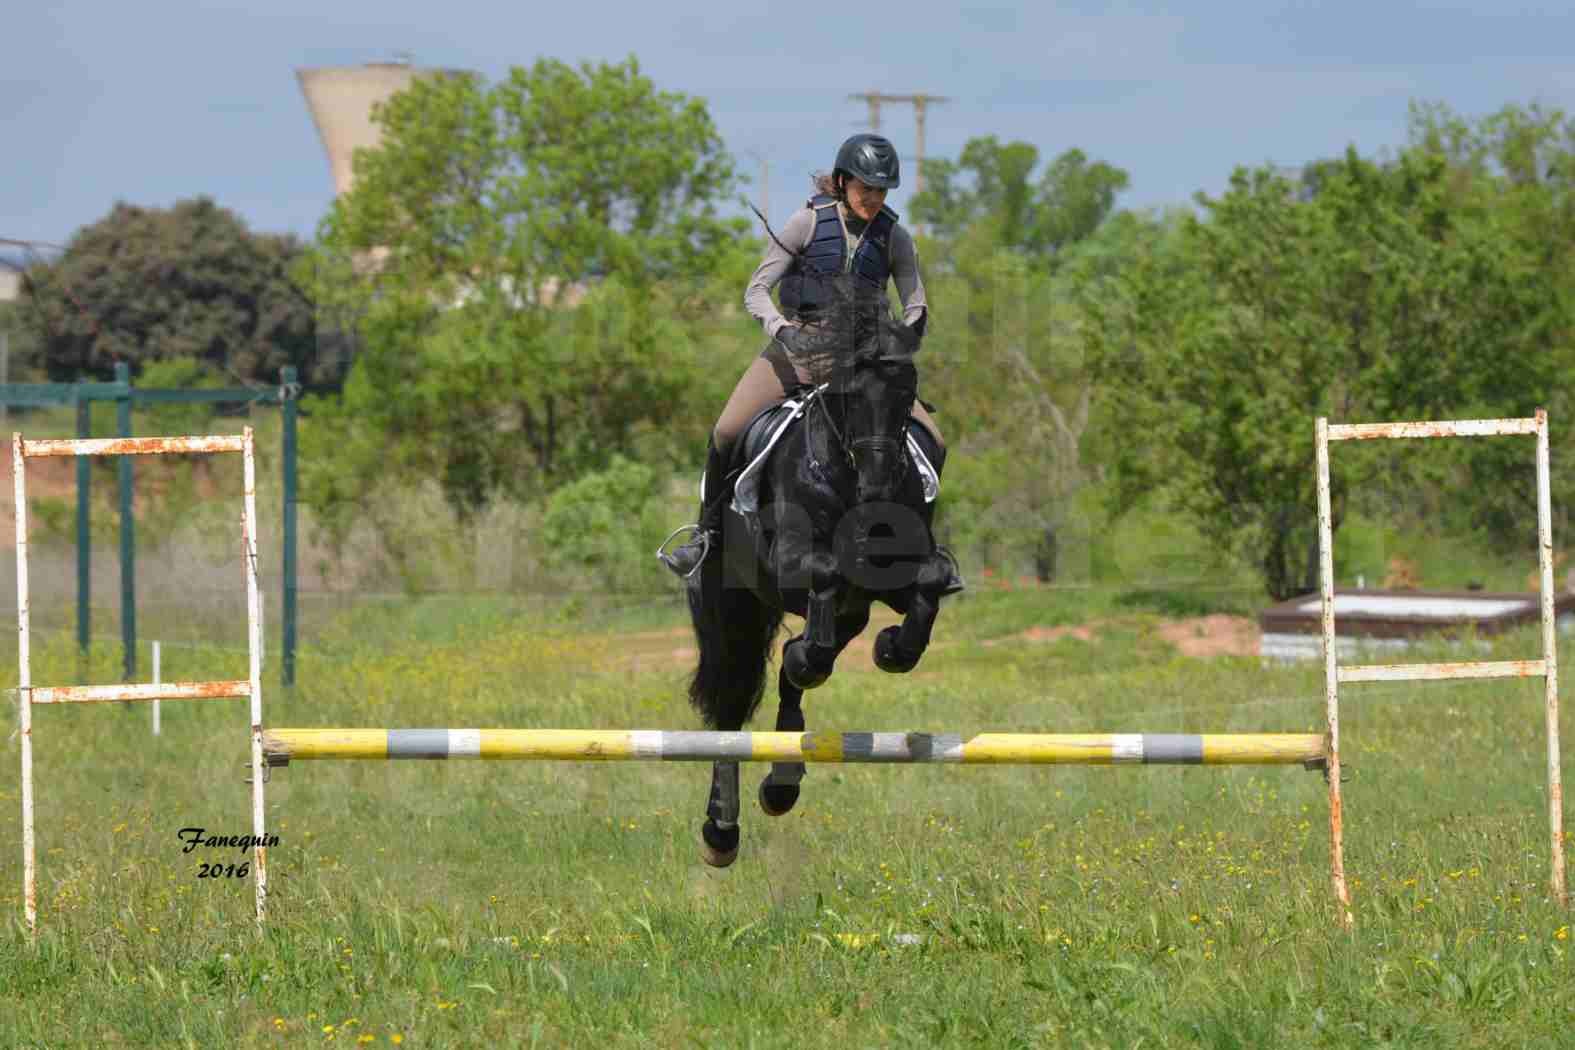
{"points": [[716, 859], [951, 572], [718, 848], [889, 656], [796, 666], [777, 799]]}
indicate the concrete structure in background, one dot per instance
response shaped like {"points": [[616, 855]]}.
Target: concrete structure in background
{"points": [[341, 100], [13, 260]]}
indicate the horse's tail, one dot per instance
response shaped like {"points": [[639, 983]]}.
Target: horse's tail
{"points": [[734, 630]]}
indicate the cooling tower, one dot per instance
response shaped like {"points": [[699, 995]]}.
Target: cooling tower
{"points": [[13, 260], [341, 100]]}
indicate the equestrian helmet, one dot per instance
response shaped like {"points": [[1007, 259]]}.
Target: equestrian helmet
{"points": [[871, 159]]}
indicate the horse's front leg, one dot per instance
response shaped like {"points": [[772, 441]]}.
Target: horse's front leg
{"points": [[779, 789], [898, 648], [808, 659], [719, 833]]}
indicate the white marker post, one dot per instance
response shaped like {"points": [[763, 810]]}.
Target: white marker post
{"points": [[156, 681]]}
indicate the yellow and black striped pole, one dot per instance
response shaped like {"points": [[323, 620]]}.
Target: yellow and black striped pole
{"points": [[576, 745]]}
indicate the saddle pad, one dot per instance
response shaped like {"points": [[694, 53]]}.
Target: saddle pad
{"points": [[932, 480], [746, 490]]}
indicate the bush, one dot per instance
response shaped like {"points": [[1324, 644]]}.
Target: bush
{"points": [[606, 526]]}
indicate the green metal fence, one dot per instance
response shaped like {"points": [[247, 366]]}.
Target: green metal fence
{"points": [[125, 396]]}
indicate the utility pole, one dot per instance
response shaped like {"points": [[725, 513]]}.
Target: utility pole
{"points": [[874, 98], [919, 102], [5, 374]]}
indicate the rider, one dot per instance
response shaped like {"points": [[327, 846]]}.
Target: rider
{"points": [[844, 228]]}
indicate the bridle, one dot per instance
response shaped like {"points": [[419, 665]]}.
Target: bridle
{"points": [[895, 445], [841, 443]]}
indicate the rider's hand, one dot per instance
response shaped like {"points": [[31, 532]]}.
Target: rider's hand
{"points": [[791, 336]]}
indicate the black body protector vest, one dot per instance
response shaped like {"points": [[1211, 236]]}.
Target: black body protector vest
{"points": [[805, 288]]}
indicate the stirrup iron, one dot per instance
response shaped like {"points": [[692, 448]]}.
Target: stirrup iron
{"points": [[704, 536]]}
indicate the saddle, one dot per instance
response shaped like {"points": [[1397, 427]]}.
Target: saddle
{"points": [[771, 424]]}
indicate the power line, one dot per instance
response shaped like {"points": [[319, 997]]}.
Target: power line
{"points": [[7, 241]]}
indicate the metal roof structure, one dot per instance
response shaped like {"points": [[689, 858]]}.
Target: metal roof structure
{"points": [[1395, 619]]}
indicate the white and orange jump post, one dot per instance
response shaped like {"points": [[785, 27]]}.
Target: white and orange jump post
{"points": [[30, 695], [1546, 668]]}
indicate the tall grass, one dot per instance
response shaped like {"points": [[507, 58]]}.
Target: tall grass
{"points": [[514, 904]]}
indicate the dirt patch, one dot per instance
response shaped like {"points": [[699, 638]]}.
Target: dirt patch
{"points": [[1199, 636], [645, 651], [660, 660], [1217, 635], [56, 478], [649, 637], [1082, 632], [52, 478], [658, 651]]}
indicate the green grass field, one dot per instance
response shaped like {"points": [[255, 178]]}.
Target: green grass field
{"points": [[514, 904]]}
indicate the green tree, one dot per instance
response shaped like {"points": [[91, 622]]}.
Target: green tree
{"points": [[1003, 358], [1518, 146], [990, 186], [1516, 169], [521, 263], [26, 363], [1378, 298], [190, 282]]}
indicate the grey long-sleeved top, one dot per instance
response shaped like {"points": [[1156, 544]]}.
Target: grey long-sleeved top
{"points": [[796, 234]]}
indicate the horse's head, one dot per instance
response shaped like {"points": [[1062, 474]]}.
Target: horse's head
{"points": [[869, 396], [884, 386]]}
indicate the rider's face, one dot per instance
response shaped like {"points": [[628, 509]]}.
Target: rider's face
{"points": [[864, 200]]}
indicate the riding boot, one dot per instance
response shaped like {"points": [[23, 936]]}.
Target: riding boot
{"points": [[686, 560]]}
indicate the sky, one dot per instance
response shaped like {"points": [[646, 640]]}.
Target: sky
{"points": [[151, 103]]}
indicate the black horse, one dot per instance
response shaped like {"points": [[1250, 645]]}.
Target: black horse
{"points": [[842, 521]]}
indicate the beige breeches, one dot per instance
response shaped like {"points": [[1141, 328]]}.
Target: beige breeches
{"points": [[766, 382]]}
